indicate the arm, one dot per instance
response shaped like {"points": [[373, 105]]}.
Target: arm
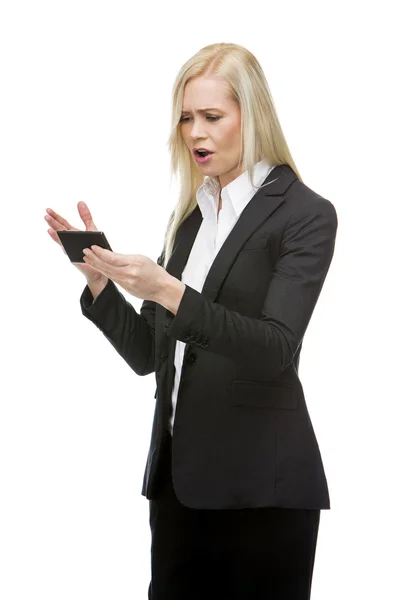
{"points": [[306, 253], [130, 333]]}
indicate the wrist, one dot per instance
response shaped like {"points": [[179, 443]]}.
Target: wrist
{"points": [[96, 279], [171, 294], [96, 286]]}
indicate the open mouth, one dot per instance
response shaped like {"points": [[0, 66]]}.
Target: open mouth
{"points": [[203, 157]]}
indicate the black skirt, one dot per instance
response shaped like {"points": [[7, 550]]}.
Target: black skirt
{"points": [[228, 554]]}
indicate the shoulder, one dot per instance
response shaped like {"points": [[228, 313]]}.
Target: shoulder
{"points": [[304, 204]]}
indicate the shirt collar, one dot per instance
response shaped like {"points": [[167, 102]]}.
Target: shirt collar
{"points": [[238, 192]]}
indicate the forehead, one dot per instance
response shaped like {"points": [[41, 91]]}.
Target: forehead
{"points": [[205, 93], [203, 110]]}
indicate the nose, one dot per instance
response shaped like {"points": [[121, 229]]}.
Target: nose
{"points": [[197, 131]]}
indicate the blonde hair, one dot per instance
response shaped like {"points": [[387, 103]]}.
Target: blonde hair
{"points": [[261, 133]]}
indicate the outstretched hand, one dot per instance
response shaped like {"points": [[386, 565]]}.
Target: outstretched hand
{"points": [[137, 274], [58, 222]]}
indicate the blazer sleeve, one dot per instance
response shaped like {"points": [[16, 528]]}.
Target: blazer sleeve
{"points": [[272, 340], [130, 333]]}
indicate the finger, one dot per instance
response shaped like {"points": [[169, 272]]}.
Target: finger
{"points": [[86, 216], [53, 232], [91, 259], [59, 218], [112, 258], [55, 237], [54, 223], [115, 272]]}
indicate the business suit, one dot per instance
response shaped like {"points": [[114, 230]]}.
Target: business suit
{"points": [[242, 435]]}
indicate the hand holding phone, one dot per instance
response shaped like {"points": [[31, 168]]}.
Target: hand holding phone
{"points": [[58, 223]]}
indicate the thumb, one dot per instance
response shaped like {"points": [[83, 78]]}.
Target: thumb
{"points": [[86, 216]]}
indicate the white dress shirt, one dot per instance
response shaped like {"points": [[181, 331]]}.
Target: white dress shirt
{"points": [[212, 233]]}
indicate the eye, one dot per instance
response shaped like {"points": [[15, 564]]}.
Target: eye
{"points": [[210, 117]]}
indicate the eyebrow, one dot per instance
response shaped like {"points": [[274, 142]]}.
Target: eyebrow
{"points": [[201, 110]]}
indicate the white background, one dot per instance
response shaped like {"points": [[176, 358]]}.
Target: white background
{"points": [[85, 115]]}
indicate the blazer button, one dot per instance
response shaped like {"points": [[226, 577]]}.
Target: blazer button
{"points": [[192, 358], [186, 336]]}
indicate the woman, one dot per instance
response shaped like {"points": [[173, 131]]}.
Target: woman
{"points": [[234, 474]]}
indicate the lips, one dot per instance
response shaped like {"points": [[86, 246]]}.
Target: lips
{"points": [[197, 151]]}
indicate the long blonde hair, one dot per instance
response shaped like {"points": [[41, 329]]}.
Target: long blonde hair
{"points": [[261, 133]]}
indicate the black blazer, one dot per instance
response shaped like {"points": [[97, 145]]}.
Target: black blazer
{"points": [[242, 433]]}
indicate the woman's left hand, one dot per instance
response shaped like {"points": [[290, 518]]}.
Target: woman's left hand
{"points": [[137, 274]]}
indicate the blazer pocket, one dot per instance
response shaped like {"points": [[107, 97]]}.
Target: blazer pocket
{"points": [[255, 244], [264, 394]]}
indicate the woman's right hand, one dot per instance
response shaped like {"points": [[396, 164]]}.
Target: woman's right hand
{"points": [[57, 222]]}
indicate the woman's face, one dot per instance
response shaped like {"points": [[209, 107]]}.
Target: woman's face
{"points": [[217, 129]]}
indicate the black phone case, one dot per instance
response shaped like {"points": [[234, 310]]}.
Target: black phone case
{"points": [[75, 241]]}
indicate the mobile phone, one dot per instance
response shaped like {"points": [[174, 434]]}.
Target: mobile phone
{"points": [[75, 241]]}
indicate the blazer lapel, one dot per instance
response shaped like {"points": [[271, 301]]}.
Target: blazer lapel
{"points": [[261, 206]]}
